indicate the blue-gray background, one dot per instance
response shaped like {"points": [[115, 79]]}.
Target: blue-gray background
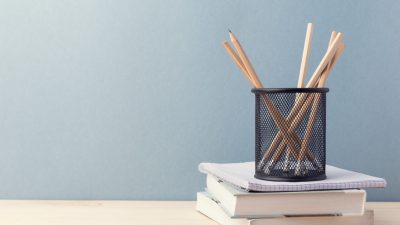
{"points": [[123, 99]]}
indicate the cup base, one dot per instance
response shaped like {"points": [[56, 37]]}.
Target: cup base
{"points": [[290, 179]]}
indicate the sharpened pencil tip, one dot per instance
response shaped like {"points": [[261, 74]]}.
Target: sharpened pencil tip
{"points": [[229, 31]]}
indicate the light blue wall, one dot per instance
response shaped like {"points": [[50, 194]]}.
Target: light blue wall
{"points": [[122, 99]]}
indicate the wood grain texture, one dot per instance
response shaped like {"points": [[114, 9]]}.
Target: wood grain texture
{"points": [[23, 212]]}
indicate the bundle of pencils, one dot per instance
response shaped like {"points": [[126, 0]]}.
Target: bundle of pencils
{"points": [[287, 140]]}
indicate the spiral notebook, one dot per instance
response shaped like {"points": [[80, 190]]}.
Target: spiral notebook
{"points": [[242, 175]]}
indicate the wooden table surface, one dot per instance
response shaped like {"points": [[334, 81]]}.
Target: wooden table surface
{"points": [[22, 212]]}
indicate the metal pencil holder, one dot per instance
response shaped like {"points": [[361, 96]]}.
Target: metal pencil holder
{"points": [[290, 134]]}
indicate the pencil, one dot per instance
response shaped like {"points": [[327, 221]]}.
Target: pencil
{"points": [[302, 74], [306, 54], [245, 60], [238, 61], [322, 80]]}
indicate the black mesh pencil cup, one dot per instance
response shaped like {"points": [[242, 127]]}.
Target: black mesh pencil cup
{"points": [[290, 134]]}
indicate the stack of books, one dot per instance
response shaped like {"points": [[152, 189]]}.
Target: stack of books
{"points": [[234, 196]]}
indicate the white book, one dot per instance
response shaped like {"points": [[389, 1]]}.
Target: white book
{"points": [[242, 175], [239, 203], [211, 208]]}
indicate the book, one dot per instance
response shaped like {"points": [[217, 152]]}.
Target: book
{"points": [[239, 203], [242, 175], [211, 208]]}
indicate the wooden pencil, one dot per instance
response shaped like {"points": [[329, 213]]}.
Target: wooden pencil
{"points": [[238, 62], [324, 75], [245, 60], [305, 56], [302, 74], [327, 57]]}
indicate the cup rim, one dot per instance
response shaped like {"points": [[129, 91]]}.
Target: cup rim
{"points": [[290, 90]]}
